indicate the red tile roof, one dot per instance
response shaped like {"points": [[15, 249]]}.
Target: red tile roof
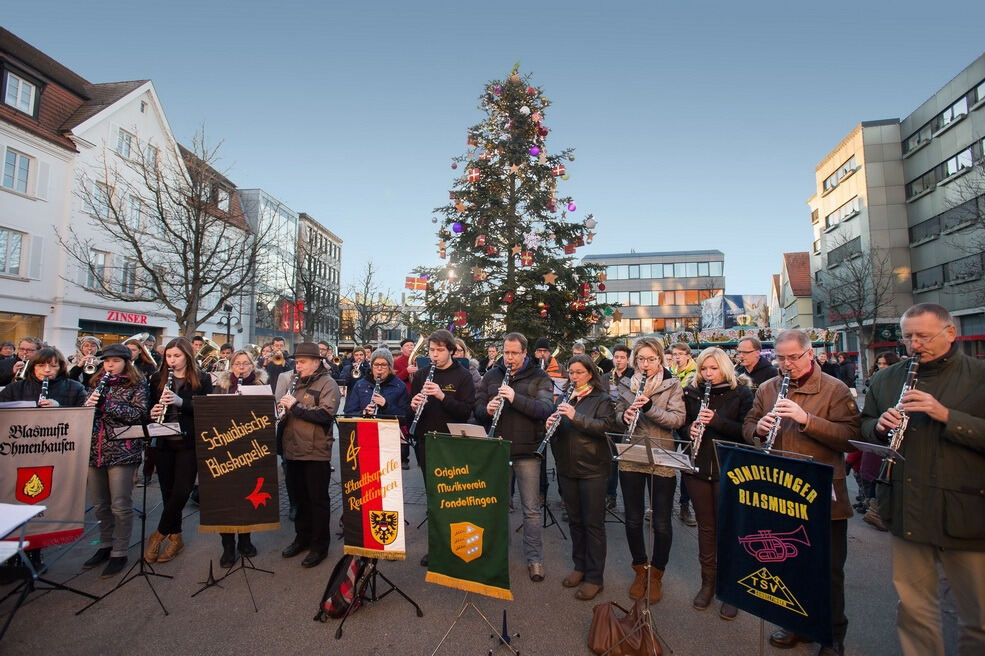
{"points": [[798, 267], [101, 96]]}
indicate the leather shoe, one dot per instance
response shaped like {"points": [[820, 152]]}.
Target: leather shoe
{"points": [[783, 639], [573, 579], [101, 556], [536, 571], [293, 549], [837, 649], [314, 557], [588, 591], [728, 612]]}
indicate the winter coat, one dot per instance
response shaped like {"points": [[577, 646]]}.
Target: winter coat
{"points": [[184, 415], [227, 383], [581, 448], [937, 496], [661, 415], [68, 393], [760, 373], [731, 405], [456, 407], [522, 421], [832, 420], [308, 425], [392, 389], [121, 403]]}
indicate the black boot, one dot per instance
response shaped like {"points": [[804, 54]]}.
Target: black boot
{"points": [[101, 556], [703, 599], [246, 545], [228, 558]]}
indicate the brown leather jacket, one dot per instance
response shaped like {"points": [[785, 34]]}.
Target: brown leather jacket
{"points": [[832, 420]]}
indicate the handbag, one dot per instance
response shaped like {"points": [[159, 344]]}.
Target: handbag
{"points": [[628, 635]]}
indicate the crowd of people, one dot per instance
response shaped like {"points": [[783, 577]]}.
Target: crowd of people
{"points": [[932, 506]]}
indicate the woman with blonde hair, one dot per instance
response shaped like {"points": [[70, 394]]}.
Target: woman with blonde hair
{"points": [[729, 400], [660, 405]]}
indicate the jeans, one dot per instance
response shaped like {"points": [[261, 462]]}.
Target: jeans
{"points": [[918, 617], [526, 473], [310, 480], [661, 501], [585, 500], [111, 493], [176, 470]]}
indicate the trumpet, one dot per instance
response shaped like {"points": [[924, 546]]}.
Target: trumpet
{"points": [[895, 435], [499, 408], [22, 374], [696, 442], [91, 365], [568, 393], [774, 431], [167, 388], [636, 418], [420, 408], [44, 391], [278, 358]]}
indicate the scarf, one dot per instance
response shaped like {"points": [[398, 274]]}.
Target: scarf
{"points": [[651, 383]]}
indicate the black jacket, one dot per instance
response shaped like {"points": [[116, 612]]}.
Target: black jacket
{"points": [[581, 448], [522, 421], [731, 407], [761, 373], [68, 393], [7, 369], [456, 408], [185, 415], [349, 377], [830, 368]]}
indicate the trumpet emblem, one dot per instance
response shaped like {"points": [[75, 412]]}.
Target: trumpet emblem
{"points": [[769, 547]]}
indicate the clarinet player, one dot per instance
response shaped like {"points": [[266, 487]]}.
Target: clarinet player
{"points": [[934, 504]]}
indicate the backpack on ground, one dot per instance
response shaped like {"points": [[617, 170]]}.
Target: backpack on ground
{"points": [[345, 587]]}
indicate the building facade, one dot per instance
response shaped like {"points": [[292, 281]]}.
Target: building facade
{"points": [[794, 285], [659, 292], [319, 265]]}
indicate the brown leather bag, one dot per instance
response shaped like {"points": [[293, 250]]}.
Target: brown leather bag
{"points": [[608, 629]]}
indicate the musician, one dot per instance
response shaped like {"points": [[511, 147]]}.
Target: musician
{"points": [[661, 406], [88, 345], [402, 364], [603, 363], [352, 372], [174, 455], [10, 367], [492, 354], [308, 418], [141, 359], [197, 343], [225, 353], [828, 365], [244, 369], [119, 394], [6, 350], [817, 419], [934, 507], [542, 353], [728, 404], [752, 363], [326, 351], [151, 344], [528, 403], [393, 399], [620, 376], [582, 457], [278, 362]]}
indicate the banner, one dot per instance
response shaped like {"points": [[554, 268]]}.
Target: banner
{"points": [[44, 459], [774, 539], [372, 488], [468, 490], [236, 447]]}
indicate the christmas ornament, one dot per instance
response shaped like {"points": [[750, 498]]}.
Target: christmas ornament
{"points": [[434, 219], [460, 319], [514, 169], [508, 297], [542, 159], [525, 111], [572, 207], [531, 91], [480, 240], [536, 117], [617, 316], [569, 249], [497, 89], [541, 304], [578, 242], [608, 312], [542, 131], [460, 206], [478, 273], [571, 158], [490, 249], [590, 223], [565, 177], [457, 227], [601, 286], [516, 250], [514, 77], [543, 313], [531, 240], [602, 276], [526, 258], [558, 170], [550, 278], [589, 237], [534, 151], [474, 175], [454, 165], [585, 289], [471, 142]]}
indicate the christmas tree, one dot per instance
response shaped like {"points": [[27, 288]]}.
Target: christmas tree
{"points": [[508, 239]]}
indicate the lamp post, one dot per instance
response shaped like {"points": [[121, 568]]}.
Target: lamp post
{"points": [[228, 309]]}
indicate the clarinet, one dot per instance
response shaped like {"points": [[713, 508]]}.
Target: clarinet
{"points": [[239, 384], [44, 391], [420, 408], [502, 402], [696, 444], [895, 435], [550, 431], [771, 436], [636, 417], [101, 386], [376, 390], [290, 392], [167, 386]]}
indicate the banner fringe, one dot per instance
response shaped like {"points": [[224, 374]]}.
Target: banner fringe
{"points": [[374, 553], [213, 528], [469, 586]]}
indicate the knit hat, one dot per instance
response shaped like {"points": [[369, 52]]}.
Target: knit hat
{"points": [[382, 353], [115, 351], [542, 343]]}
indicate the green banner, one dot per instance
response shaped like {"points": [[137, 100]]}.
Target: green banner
{"points": [[468, 489]]}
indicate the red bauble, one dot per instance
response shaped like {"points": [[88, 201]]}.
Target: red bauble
{"points": [[531, 91], [508, 297], [601, 286]]}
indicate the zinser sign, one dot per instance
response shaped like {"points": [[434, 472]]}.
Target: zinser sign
{"points": [[128, 317]]}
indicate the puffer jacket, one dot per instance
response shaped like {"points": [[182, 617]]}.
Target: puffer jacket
{"points": [[731, 405], [661, 416], [522, 421], [937, 495], [308, 424], [580, 446], [392, 389], [121, 404]]}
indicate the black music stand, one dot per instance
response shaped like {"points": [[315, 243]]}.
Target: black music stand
{"points": [[244, 564], [144, 569]]}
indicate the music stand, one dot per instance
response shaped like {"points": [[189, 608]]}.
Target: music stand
{"points": [[244, 564], [503, 639], [145, 570]]}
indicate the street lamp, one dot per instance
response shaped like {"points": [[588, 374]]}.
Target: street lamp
{"points": [[227, 320]]}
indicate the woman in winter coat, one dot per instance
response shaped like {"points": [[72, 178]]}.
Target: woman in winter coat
{"points": [[729, 400], [660, 403], [119, 395], [393, 399], [582, 457]]}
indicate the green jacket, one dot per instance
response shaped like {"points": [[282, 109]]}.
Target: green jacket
{"points": [[937, 495]]}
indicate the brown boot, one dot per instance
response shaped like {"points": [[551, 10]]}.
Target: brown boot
{"points": [[872, 516], [656, 584], [703, 599], [175, 545], [638, 588], [153, 547]]}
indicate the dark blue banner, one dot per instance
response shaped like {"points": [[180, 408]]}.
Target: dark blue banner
{"points": [[774, 539]]}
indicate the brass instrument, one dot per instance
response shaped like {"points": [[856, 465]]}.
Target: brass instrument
{"points": [[207, 355], [222, 365], [167, 387], [22, 374], [896, 435], [775, 430], [420, 408], [502, 402], [636, 418], [139, 340], [568, 393], [696, 442], [278, 358], [253, 350], [419, 347], [769, 547], [44, 391], [91, 365], [604, 352]]}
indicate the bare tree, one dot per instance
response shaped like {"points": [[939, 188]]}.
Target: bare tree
{"points": [[183, 245], [372, 308], [306, 282], [857, 288], [964, 224]]}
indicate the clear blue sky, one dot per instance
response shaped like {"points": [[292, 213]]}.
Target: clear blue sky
{"points": [[696, 125]]}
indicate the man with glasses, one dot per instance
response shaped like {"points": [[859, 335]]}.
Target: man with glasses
{"points": [[526, 403], [935, 505], [10, 367], [817, 418], [752, 363]]}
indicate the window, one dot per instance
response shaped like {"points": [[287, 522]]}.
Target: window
{"points": [[962, 160], [19, 93], [952, 165], [846, 251], [816, 246], [634, 326], [849, 209], [928, 278], [952, 113], [843, 171], [691, 269], [634, 271], [16, 167], [100, 200], [691, 297], [925, 230], [668, 271], [623, 298], [11, 243], [222, 200], [702, 268], [715, 268], [658, 325], [634, 298], [622, 272], [918, 138], [135, 212], [964, 214], [128, 277], [124, 143], [679, 269], [966, 268], [96, 273], [646, 298], [150, 157]]}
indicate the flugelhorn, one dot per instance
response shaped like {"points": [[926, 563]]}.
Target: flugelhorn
{"points": [[207, 355], [22, 374]]}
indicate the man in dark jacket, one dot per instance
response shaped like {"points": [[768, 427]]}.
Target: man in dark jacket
{"points": [[935, 504], [752, 363], [11, 366], [846, 370], [828, 365], [526, 403], [352, 372]]}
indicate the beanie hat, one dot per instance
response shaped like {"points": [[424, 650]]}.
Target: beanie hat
{"points": [[382, 353], [542, 343]]}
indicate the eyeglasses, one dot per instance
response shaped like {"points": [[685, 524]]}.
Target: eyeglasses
{"points": [[791, 358], [923, 340], [743, 352], [380, 365], [642, 360]]}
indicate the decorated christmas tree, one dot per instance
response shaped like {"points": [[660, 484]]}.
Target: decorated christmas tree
{"points": [[508, 238]]}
